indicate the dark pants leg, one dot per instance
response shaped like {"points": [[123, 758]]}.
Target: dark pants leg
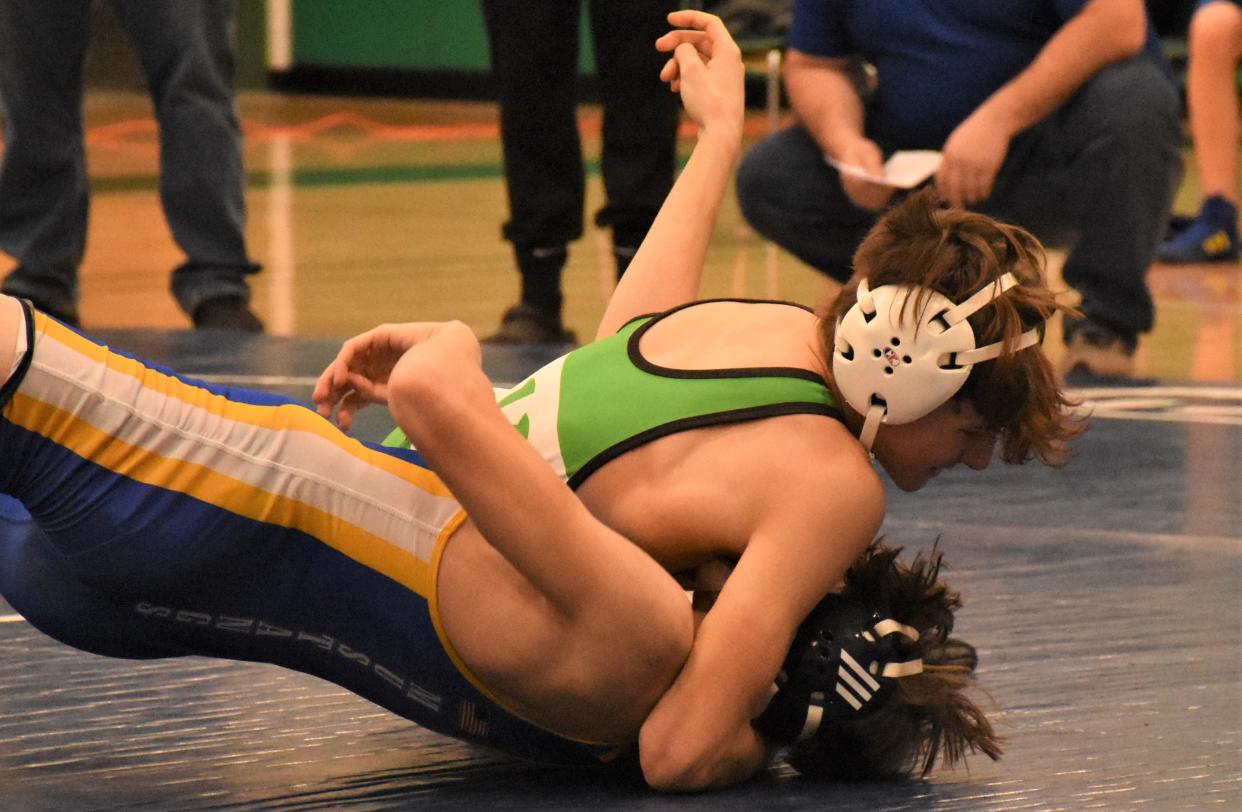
{"points": [[44, 192], [534, 51], [790, 195], [1099, 175], [640, 114], [186, 56]]}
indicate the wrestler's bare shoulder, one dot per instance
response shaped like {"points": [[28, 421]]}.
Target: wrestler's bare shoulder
{"points": [[705, 493], [733, 334]]}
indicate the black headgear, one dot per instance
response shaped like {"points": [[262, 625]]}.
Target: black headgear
{"points": [[844, 663]]}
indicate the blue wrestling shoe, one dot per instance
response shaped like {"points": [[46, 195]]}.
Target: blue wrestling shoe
{"points": [[1211, 237]]}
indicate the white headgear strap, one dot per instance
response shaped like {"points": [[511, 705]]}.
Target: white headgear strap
{"points": [[894, 369]]}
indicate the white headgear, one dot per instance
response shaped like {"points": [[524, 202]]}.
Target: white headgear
{"points": [[896, 369]]}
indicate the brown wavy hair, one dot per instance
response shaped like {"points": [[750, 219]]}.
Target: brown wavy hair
{"points": [[923, 242], [929, 718]]}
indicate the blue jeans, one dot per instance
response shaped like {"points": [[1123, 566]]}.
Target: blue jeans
{"points": [[1097, 176], [187, 61]]}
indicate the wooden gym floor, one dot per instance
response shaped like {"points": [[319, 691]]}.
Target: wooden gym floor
{"points": [[364, 211]]}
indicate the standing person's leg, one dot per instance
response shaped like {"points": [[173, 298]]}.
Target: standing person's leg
{"points": [[1105, 166], [790, 195], [639, 151], [44, 191], [186, 55], [1215, 48], [534, 53]]}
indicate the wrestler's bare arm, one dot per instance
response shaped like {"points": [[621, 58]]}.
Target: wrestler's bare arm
{"points": [[360, 372], [707, 70], [823, 95], [447, 408], [430, 377], [699, 734]]}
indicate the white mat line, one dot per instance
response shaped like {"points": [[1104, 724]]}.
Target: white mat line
{"points": [[1209, 392], [1179, 416], [257, 380], [1220, 544]]}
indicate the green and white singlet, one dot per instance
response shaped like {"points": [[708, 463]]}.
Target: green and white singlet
{"points": [[599, 401]]}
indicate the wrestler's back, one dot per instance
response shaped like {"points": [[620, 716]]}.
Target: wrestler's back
{"points": [[691, 496]]}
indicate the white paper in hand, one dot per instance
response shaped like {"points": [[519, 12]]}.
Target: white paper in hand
{"points": [[904, 170]]}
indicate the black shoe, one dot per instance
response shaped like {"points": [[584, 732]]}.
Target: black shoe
{"points": [[524, 324], [226, 313], [68, 315], [952, 652]]}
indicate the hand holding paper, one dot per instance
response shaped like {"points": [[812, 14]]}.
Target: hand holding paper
{"points": [[904, 170]]}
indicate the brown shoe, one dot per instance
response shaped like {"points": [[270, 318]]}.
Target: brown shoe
{"points": [[1094, 350], [952, 652], [523, 324]]}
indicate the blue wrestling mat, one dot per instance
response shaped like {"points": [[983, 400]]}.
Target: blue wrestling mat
{"points": [[1105, 600]]}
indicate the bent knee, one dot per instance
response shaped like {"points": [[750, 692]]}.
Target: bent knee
{"points": [[671, 646], [660, 639], [1136, 98], [647, 648]]}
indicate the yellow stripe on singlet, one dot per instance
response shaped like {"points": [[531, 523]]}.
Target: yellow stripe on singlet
{"points": [[223, 491], [261, 462], [437, 622], [294, 417]]}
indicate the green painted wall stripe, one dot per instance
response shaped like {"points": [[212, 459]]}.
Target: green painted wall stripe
{"points": [[343, 176], [401, 34]]}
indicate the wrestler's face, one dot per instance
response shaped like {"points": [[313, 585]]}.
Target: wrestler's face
{"points": [[913, 453]]}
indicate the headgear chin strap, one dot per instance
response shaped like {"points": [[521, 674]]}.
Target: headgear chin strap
{"points": [[896, 369]]}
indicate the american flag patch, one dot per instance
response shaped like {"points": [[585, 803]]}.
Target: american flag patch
{"points": [[472, 719]]}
